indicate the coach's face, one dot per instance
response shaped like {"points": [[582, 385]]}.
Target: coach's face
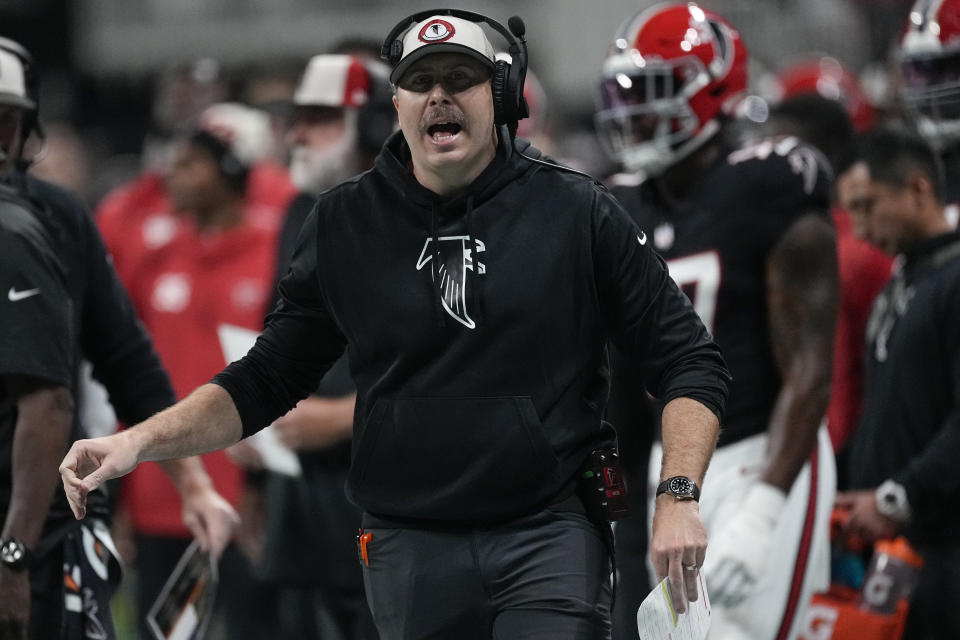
{"points": [[445, 109]]}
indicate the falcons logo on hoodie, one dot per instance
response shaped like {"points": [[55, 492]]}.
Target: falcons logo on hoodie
{"points": [[457, 257]]}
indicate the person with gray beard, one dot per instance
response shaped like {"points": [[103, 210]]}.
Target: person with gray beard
{"points": [[343, 113]]}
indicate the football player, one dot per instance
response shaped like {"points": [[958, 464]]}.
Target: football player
{"points": [[746, 233]]}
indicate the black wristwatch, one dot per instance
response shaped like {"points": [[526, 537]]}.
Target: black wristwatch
{"points": [[14, 555], [680, 487]]}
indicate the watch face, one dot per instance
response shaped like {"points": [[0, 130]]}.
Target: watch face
{"points": [[681, 487], [11, 552]]}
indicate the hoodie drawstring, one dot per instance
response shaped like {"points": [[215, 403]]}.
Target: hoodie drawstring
{"points": [[471, 282]]}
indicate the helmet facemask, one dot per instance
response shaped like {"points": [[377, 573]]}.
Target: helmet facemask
{"points": [[931, 93], [645, 119], [674, 71]]}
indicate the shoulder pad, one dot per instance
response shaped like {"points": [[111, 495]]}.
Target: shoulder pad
{"points": [[782, 162]]}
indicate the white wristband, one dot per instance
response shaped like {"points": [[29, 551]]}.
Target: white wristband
{"points": [[765, 500]]}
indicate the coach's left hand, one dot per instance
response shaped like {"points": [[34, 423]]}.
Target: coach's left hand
{"points": [[678, 547]]}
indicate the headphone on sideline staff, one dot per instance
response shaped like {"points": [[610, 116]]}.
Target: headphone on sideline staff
{"points": [[509, 105]]}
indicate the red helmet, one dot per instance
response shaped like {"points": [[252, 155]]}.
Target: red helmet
{"points": [[673, 70], [930, 63], [827, 77]]}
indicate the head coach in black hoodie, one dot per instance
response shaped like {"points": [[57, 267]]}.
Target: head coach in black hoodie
{"points": [[476, 285]]}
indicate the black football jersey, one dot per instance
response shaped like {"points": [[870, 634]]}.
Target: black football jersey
{"points": [[36, 336], [716, 243]]}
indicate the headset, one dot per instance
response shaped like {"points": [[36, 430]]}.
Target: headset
{"points": [[233, 171], [509, 105], [31, 118]]}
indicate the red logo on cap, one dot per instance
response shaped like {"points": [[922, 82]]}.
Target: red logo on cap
{"points": [[436, 31]]}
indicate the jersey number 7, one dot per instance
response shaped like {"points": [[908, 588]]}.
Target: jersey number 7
{"points": [[698, 275]]}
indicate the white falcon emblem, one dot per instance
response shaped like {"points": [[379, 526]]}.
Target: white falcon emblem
{"points": [[457, 258]]}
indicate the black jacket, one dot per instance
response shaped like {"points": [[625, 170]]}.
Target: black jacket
{"points": [[477, 329], [910, 427]]}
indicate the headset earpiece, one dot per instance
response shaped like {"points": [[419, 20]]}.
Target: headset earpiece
{"points": [[501, 93], [396, 51]]}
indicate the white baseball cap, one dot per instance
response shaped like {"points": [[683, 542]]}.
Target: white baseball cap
{"points": [[334, 80], [13, 84], [443, 34], [244, 130]]}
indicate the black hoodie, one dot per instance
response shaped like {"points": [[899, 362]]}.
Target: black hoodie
{"points": [[477, 327]]}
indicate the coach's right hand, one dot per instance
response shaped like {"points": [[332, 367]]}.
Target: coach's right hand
{"points": [[90, 463], [678, 547]]}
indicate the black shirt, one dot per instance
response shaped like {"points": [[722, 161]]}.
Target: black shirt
{"points": [[910, 428], [36, 336], [476, 327], [101, 321], [716, 242]]}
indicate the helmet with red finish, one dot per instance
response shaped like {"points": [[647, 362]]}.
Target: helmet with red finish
{"points": [[929, 58], [674, 72], [826, 77]]}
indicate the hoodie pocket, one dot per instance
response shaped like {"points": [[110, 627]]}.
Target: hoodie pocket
{"points": [[460, 457]]}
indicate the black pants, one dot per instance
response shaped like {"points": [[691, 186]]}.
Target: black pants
{"points": [[935, 604], [542, 577]]}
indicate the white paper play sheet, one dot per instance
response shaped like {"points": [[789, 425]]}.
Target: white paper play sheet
{"points": [[658, 620], [235, 342], [184, 608]]}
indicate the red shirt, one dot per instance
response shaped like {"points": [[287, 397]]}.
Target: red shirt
{"points": [[183, 293], [183, 285], [137, 218], [134, 220], [863, 272]]}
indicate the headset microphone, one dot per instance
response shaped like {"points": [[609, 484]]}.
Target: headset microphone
{"points": [[517, 28]]}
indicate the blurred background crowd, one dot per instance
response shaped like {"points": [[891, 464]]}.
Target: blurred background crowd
{"points": [[139, 95], [116, 73]]}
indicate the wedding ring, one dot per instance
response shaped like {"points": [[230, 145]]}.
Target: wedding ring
{"points": [[689, 567]]}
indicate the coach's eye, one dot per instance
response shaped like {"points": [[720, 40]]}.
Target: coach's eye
{"points": [[418, 82]]}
